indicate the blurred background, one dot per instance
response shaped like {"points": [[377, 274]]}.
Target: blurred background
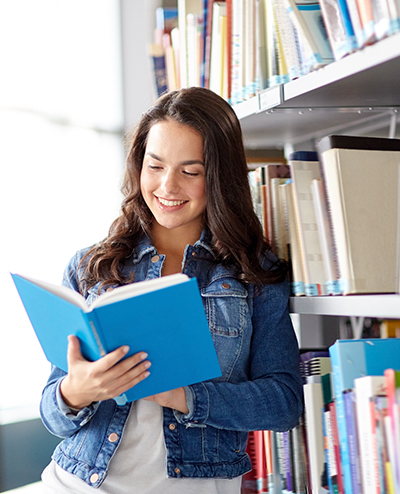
{"points": [[74, 77]]}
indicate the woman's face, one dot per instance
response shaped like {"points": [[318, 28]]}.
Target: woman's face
{"points": [[172, 179]]}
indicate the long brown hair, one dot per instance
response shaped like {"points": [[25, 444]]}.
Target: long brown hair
{"points": [[236, 233]]}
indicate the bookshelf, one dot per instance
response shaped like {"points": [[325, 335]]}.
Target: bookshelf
{"points": [[359, 92], [379, 306]]}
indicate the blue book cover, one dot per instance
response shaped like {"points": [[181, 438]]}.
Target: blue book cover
{"points": [[351, 359], [163, 317]]}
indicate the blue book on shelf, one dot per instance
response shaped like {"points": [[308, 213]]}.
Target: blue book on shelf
{"points": [[351, 426], [351, 359], [163, 317], [348, 26]]}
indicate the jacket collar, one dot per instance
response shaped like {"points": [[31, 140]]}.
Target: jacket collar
{"points": [[145, 246]]}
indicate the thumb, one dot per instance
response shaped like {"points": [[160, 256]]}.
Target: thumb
{"points": [[74, 350]]}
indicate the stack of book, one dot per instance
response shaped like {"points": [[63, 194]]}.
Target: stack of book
{"points": [[337, 219], [240, 47], [348, 439]]}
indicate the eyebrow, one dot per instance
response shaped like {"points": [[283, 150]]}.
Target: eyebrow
{"points": [[187, 162]]}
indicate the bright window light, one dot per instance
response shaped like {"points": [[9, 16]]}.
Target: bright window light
{"points": [[61, 161]]}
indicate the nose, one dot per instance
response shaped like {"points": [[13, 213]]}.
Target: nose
{"points": [[170, 182]]}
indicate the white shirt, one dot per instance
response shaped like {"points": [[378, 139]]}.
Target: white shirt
{"points": [[138, 464]]}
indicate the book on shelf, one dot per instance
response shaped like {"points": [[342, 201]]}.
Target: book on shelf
{"points": [[126, 316], [294, 249], [355, 19], [366, 389], [352, 439], [331, 442], [170, 63], [157, 57], [389, 328], [361, 178], [392, 381], [249, 482], [219, 62], [379, 411], [334, 24], [352, 359], [270, 42], [307, 19], [313, 404], [185, 8], [279, 238], [166, 19], [348, 25], [325, 238], [304, 168]]}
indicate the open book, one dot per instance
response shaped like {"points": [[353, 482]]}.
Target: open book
{"points": [[163, 317]]}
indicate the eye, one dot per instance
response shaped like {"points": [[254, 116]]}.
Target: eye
{"points": [[154, 167], [190, 174]]}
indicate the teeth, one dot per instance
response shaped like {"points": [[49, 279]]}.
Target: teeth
{"points": [[170, 203]]}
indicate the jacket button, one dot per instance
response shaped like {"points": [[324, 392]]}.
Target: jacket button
{"points": [[94, 478], [226, 286], [113, 437], [171, 427], [177, 470], [155, 258], [193, 254]]}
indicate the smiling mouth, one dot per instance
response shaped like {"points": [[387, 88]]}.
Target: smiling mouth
{"points": [[164, 202]]}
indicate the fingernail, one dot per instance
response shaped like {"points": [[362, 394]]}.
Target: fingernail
{"points": [[147, 365], [146, 374], [143, 356], [125, 349]]}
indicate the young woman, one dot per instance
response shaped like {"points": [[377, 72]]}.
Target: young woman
{"points": [[187, 208]]}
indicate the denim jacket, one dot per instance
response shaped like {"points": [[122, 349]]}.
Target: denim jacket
{"points": [[260, 387]]}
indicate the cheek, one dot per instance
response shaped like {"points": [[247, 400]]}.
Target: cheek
{"points": [[145, 183]]}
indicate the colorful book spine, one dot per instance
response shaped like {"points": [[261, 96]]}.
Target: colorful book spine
{"points": [[348, 398]]}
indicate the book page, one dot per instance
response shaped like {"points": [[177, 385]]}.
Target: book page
{"points": [[63, 292], [134, 289]]}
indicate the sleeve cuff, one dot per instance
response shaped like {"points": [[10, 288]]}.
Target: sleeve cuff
{"points": [[198, 405], [83, 416]]}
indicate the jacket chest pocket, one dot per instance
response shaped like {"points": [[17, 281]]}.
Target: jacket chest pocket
{"points": [[225, 303]]}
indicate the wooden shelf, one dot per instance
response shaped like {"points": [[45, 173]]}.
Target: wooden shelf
{"points": [[385, 306]]}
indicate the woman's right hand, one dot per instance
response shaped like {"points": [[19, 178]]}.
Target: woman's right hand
{"points": [[103, 379]]}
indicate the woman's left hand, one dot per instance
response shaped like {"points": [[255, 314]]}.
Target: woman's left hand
{"points": [[176, 399]]}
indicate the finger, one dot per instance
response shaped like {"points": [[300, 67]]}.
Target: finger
{"points": [[112, 358], [130, 367], [129, 380], [74, 350]]}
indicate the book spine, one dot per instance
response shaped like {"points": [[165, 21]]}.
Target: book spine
{"points": [[160, 72], [365, 388], [93, 323], [335, 28], [287, 453], [269, 460], [337, 221], [336, 447], [321, 215], [352, 440], [351, 37], [341, 421], [281, 458]]}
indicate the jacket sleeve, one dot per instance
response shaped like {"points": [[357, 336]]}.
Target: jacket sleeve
{"points": [[57, 417], [272, 397]]}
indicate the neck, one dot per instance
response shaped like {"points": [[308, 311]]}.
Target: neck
{"points": [[176, 240]]}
